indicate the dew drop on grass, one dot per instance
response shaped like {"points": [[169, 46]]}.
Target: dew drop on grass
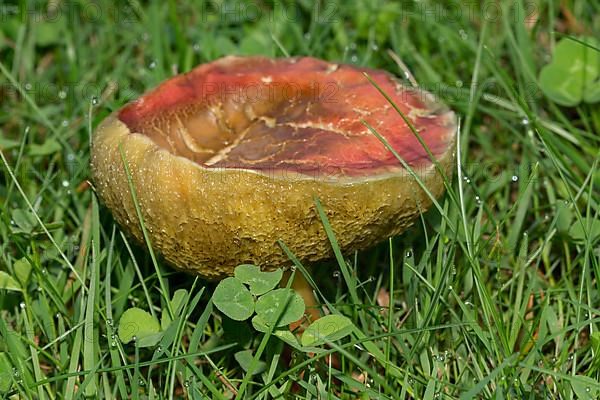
{"points": [[354, 58], [336, 274], [65, 123], [28, 86], [94, 100], [196, 47], [65, 183], [375, 47], [141, 382], [159, 349], [152, 64], [22, 305], [477, 200], [62, 95], [408, 253], [514, 178], [109, 322], [186, 383], [459, 83]]}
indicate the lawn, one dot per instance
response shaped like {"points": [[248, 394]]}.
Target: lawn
{"points": [[494, 293]]}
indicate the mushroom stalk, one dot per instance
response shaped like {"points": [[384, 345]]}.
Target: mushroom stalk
{"points": [[303, 288]]}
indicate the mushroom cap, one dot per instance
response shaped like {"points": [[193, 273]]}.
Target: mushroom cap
{"points": [[228, 158]]}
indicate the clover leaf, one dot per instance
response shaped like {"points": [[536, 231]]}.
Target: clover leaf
{"points": [[572, 76], [280, 301], [233, 299], [260, 282], [580, 231], [7, 282], [139, 324], [327, 329], [245, 359]]}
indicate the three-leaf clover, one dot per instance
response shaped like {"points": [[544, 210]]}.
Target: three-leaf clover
{"points": [[274, 309], [250, 290]]}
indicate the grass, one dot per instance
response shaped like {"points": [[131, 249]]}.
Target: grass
{"points": [[494, 293]]}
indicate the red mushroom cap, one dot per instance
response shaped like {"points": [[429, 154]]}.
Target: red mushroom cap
{"points": [[300, 114], [290, 129]]}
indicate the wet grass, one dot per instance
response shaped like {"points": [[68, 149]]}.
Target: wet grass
{"points": [[494, 293]]}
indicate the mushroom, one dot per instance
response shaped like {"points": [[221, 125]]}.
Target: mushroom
{"points": [[227, 160]]}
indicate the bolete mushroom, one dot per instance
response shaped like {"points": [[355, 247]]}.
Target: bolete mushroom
{"points": [[228, 158]]}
